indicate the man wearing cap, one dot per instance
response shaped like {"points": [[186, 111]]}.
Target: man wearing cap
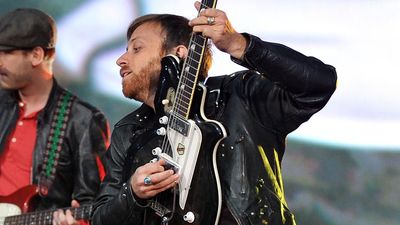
{"points": [[49, 138]]}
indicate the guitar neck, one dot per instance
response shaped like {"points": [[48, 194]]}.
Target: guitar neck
{"points": [[45, 217], [191, 70]]}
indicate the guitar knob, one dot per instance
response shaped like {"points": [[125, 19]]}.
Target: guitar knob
{"points": [[156, 151], [189, 217], [165, 101], [161, 131], [163, 120]]}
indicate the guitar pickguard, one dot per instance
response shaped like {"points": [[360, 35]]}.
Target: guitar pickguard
{"points": [[8, 209], [185, 150]]}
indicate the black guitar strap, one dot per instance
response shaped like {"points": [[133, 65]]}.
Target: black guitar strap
{"points": [[54, 141]]}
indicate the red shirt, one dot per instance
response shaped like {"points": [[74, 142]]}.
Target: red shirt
{"points": [[16, 159]]}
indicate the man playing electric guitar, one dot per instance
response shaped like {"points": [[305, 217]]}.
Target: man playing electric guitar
{"points": [[252, 111], [48, 137]]}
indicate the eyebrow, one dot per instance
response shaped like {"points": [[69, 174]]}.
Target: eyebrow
{"points": [[129, 42]]}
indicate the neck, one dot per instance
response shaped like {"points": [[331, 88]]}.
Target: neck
{"points": [[150, 100], [35, 95]]}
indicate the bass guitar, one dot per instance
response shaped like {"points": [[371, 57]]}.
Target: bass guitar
{"points": [[16, 209], [190, 140]]}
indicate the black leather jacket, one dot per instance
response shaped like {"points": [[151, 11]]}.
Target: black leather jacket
{"points": [[258, 107], [87, 136]]}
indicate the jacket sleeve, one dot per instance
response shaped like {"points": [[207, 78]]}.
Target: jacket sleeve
{"points": [[288, 88], [115, 203], [92, 143]]}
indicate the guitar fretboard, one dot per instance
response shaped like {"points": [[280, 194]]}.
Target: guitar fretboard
{"points": [[44, 217], [189, 76]]}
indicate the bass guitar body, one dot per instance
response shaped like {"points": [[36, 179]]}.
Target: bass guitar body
{"points": [[21, 201]]}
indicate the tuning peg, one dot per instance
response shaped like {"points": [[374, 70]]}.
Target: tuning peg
{"points": [[163, 120], [156, 151], [161, 131]]}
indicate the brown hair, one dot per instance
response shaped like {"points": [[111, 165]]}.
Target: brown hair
{"points": [[177, 31]]}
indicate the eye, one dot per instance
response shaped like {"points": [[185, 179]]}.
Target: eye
{"points": [[136, 49]]}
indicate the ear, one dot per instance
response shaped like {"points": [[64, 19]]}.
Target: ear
{"points": [[181, 51], [37, 56]]}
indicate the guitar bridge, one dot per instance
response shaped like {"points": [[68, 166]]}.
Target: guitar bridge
{"points": [[159, 209]]}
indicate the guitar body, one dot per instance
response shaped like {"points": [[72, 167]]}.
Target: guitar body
{"points": [[21, 201], [18, 208], [205, 197], [199, 190]]}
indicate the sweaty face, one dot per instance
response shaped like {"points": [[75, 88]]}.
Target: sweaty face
{"points": [[141, 63], [14, 69]]}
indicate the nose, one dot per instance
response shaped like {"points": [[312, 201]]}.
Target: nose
{"points": [[121, 61]]}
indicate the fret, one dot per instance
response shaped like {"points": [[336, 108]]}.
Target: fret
{"points": [[208, 4], [194, 57], [187, 86], [176, 117], [187, 96], [184, 106], [181, 108], [44, 217], [191, 75], [186, 90], [190, 71], [197, 42], [181, 112]]}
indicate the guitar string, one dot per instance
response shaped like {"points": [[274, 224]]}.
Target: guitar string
{"points": [[47, 214], [185, 82], [179, 98]]}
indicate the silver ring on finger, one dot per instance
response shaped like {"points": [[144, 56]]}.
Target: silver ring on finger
{"points": [[210, 20], [147, 181]]}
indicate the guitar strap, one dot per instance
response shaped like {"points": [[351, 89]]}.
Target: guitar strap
{"points": [[54, 141]]}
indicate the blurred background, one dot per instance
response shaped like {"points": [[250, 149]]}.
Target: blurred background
{"points": [[341, 167]]}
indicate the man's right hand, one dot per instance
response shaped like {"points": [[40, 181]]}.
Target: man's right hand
{"points": [[151, 179]]}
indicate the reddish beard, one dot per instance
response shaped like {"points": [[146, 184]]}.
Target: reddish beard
{"points": [[142, 85]]}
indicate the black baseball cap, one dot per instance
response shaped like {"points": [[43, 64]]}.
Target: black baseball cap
{"points": [[25, 28]]}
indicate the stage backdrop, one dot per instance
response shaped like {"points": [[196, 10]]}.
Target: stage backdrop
{"points": [[341, 168]]}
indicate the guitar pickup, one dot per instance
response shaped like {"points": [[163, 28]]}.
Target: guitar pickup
{"points": [[180, 125]]}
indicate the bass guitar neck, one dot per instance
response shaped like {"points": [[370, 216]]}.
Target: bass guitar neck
{"points": [[17, 209]]}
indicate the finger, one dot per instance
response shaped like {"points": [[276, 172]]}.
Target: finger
{"points": [[69, 217], [162, 179], [162, 186], [61, 219], [148, 191], [55, 218], [150, 168], [75, 204]]}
